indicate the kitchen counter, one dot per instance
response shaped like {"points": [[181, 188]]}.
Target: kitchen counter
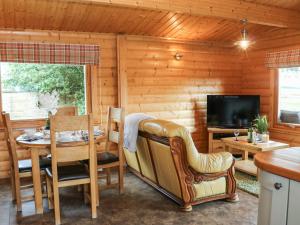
{"points": [[283, 162]]}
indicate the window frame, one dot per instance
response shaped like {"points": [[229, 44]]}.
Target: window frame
{"points": [[90, 85], [276, 123]]}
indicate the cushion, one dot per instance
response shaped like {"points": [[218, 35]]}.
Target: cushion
{"points": [[26, 166], [202, 163], [71, 172], [106, 157]]}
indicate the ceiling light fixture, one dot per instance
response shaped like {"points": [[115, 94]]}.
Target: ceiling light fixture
{"points": [[244, 43]]}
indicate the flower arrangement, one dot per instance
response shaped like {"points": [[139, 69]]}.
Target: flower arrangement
{"points": [[261, 124], [48, 102]]}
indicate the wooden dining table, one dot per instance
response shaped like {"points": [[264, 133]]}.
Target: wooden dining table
{"points": [[42, 147]]}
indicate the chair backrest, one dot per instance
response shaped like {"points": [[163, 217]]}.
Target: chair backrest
{"points": [[67, 111], [115, 127], [10, 140], [72, 151]]}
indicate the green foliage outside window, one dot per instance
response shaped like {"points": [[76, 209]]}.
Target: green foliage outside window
{"points": [[67, 81]]}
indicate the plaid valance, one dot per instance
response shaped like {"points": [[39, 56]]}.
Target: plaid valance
{"points": [[49, 53], [289, 58]]}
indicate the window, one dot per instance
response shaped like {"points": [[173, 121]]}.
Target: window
{"points": [[25, 86], [289, 95]]}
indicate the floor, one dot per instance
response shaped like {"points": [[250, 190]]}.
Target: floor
{"points": [[140, 204]]}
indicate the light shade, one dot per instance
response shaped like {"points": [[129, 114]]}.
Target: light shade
{"points": [[244, 44]]}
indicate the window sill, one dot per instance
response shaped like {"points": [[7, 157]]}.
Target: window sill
{"points": [[286, 129]]}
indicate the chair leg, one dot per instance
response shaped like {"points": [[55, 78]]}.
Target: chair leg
{"points": [[97, 190], [121, 178], [43, 187], [93, 199], [80, 188], [56, 205], [108, 176], [49, 193], [13, 186], [18, 194], [85, 193]]}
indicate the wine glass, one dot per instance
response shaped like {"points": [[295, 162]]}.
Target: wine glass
{"points": [[236, 134]]}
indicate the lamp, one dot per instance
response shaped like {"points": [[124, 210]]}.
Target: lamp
{"points": [[178, 56], [244, 43]]}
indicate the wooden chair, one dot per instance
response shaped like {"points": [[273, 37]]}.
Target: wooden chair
{"points": [[71, 175], [67, 111], [19, 169], [106, 159]]}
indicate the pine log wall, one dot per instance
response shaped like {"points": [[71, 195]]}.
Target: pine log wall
{"points": [[258, 79], [176, 90], [161, 86]]}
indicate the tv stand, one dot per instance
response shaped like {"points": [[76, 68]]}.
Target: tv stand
{"points": [[214, 138]]}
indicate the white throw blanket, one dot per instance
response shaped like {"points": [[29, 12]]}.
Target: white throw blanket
{"points": [[131, 129]]}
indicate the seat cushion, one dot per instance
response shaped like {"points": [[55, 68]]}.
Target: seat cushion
{"points": [[26, 166], [71, 172], [106, 157]]}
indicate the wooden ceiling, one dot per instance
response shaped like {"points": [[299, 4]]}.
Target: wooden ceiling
{"points": [[98, 16], [287, 4]]}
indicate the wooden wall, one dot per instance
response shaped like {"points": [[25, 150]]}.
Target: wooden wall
{"points": [[257, 79], [176, 90], [159, 85], [104, 82]]}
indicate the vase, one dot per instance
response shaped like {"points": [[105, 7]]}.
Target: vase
{"points": [[265, 137], [259, 136]]}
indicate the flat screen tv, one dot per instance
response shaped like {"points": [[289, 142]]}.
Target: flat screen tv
{"points": [[232, 111]]}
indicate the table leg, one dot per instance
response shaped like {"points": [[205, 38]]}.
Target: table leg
{"points": [[36, 177], [245, 155]]}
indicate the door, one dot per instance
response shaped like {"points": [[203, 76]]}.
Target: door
{"points": [[273, 199], [294, 204]]}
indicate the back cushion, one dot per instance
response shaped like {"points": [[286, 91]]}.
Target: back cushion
{"points": [[145, 159], [131, 160], [165, 168]]}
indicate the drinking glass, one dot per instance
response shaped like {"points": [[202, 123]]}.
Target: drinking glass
{"points": [[236, 134]]}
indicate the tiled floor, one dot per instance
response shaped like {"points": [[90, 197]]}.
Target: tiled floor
{"points": [[140, 204]]}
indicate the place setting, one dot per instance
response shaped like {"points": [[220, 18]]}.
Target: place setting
{"points": [[33, 135]]}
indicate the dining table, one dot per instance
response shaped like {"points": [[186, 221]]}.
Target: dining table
{"points": [[41, 147]]}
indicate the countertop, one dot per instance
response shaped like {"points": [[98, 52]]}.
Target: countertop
{"points": [[283, 162]]}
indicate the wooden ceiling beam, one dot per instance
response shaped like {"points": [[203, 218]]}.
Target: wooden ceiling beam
{"points": [[227, 9]]}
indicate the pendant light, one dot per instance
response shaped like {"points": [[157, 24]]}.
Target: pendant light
{"points": [[244, 43]]}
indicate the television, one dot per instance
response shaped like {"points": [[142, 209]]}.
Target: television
{"points": [[232, 111]]}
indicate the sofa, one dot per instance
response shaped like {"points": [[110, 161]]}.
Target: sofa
{"points": [[167, 159]]}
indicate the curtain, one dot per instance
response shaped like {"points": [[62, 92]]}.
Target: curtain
{"points": [[288, 58], [49, 53]]}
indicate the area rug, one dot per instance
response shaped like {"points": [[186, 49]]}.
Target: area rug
{"points": [[247, 183]]}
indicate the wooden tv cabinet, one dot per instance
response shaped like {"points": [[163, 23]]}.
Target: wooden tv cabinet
{"points": [[214, 138]]}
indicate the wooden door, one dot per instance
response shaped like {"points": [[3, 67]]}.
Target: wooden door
{"points": [[273, 199]]}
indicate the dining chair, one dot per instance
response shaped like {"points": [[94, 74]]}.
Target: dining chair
{"points": [[67, 111], [71, 175], [19, 169], [107, 159]]}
